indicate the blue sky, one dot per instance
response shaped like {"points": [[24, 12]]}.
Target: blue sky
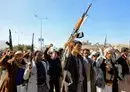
{"points": [[111, 17]]}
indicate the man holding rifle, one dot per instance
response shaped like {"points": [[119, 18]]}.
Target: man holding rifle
{"points": [[74, 70]]}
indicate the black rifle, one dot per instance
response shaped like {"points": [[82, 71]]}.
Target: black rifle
{"points": [[9, 43]]}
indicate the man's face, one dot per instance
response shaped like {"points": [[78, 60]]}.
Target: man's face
{"points": [[81, 52], [126, 53], [77, 48], [19, 57], [38, 56], [54, 55], [109, 55], [86, 53], [94, 58]]}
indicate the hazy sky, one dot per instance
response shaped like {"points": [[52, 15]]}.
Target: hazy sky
{"points": [[111, 17]]}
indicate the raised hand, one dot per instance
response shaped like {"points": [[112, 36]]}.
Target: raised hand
{"points": [[51, 45]]}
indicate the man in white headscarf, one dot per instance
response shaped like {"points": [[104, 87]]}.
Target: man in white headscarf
{"points": [[109, 71]]}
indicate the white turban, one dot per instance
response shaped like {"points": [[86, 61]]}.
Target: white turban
{"points": [[18, 52], [108, 50]]}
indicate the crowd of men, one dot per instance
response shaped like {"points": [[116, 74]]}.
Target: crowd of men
{"points": [[105, 70]]}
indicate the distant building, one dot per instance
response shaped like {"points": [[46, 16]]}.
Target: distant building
{"points": [[87, 44], [119, 46]]}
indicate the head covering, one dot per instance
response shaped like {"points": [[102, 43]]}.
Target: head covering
{"points": [[60, 49], [18, 53], [77, 42], [124, 49], [94, 53], [55, 49], [108, 50]]}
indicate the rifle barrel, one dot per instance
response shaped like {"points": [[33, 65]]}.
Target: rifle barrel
{"points": [[10, 40], [88, 8]]}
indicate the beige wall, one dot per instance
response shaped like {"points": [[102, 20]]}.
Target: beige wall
{"points": [[93, 47]]}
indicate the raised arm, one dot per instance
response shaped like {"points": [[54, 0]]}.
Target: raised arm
{"points": [[4, 60], [46, 56]]}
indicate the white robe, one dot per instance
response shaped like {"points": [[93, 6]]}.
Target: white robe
{"points": [[87, 69], [32, 84], [22, 88]]}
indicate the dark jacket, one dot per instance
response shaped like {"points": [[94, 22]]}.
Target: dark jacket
{"points": [[125, 69], [55, 68], [113, 73], [72, 66]]}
